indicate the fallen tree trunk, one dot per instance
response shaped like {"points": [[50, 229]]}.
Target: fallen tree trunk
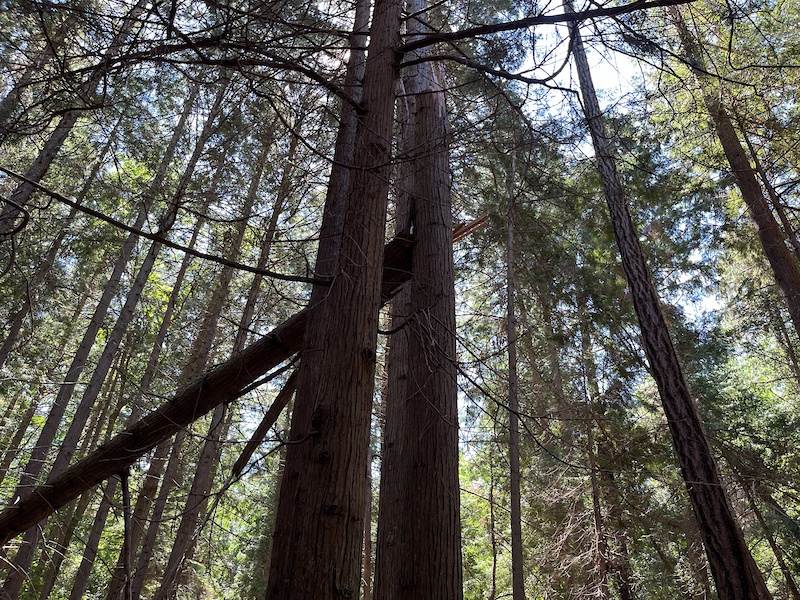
{"points": [[222, 383]]}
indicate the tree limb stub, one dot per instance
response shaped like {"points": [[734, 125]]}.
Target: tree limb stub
{"points": [[221, 383]]}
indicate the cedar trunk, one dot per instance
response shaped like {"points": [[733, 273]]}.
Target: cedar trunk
{"points": [[319, 528], [419, 534]]}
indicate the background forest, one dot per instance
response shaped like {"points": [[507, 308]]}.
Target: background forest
{"points": [[570, 370]]}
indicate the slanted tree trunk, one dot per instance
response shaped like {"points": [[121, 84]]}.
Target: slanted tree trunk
{"points": [[19, 198], [125, 317], [11, 101], [198, 357], [791, 586], [148, 490], [38, 279], [194, 510], [773, 242], [736, 575], [105, 420], [317, 544], [36, 463], [225, 382], [421, 557]]}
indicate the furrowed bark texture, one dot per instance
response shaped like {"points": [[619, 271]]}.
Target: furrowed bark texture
{"points": [[733, 568], [224, 382], [419, 538], [318, 535]]}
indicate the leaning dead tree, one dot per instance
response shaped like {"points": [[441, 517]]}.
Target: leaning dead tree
{"points": [[223, 383]]}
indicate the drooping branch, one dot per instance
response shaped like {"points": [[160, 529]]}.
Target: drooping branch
{"points": [[159, 237], [223, 383]]}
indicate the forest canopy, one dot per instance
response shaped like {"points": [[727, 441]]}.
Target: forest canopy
{"points": [[441, 300]]}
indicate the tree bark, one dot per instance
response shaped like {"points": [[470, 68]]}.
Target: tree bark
{"points": [[419, 532], [773, 242], [736, 575], [225, 382], [317, 543], [517, 565]]}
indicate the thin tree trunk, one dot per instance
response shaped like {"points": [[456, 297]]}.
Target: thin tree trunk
{"points": [[43, 270], [148, 491], [253, 293], [103, 417], [81, 578], [421, 558], [56, 413], [11, 101], [517, 565], [125, 317], [492, 533], [198, 357], [791, 586], [601, 545], [36, 462], [592, 393], [789, 231], [734, 570], [317, 544], [194, 511], [366, 574]]}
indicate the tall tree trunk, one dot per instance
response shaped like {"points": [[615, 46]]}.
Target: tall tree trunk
{"points": [[317, 543], [148, 491], [194, 511], [734, 570], [421, 557], [366, 575], [791, 586], [592, 393], [784, 266], [104, 418], [125, 317], [43, 270], [198, 357], [517, 565], [36, 463]]}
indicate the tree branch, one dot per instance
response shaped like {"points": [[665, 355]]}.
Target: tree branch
{"points": [[427, 39], [162, 240], [222, 383]]}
